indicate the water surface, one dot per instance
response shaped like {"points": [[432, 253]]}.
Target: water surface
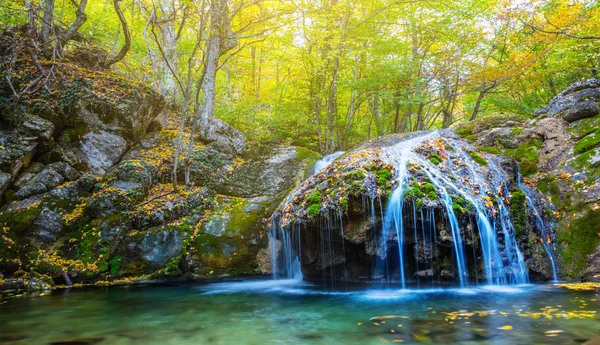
{"points": [[291, 312]]}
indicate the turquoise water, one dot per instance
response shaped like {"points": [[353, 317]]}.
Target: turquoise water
{"points": [[288, 312]]}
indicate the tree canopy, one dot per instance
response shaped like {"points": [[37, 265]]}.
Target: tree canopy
{"points": [[329, 74]]}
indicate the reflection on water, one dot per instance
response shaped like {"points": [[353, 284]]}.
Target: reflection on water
{"points": [[292, 312]]}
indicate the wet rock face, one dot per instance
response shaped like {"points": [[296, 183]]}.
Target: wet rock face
{"points": [[579, 101]]}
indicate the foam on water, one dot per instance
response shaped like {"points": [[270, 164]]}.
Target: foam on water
{"points": [[255, 286]]}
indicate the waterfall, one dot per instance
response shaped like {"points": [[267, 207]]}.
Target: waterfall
{"points": [[325, 161], [460, 228], [503, 262], [541, 225], [285, 248]]}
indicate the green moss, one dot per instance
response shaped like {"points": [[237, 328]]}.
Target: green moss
{"points": [[419, 203], [313, 210], [527, 154], [518, 211], [457, 199], [383, 176], [491, 149], [356, 175], [414, 191], [588, 142], [370, 167], [344, 204], [460, 205], [115, 265], [549, 186], [432, 195], [428, 188], [478, 158], [314, 198], [465, 129], [458, 210], [581, 128], [516, 130], [434, 160], [309, 156], [579, 239], [355, 188], [9, 196]]}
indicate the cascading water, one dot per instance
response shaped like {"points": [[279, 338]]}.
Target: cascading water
{"points": [[285, 263], [501, 266], [461, 229], [546, 236], [325, 161]]}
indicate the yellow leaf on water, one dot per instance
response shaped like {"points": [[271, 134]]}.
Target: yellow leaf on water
{"points": [[506, 327]]}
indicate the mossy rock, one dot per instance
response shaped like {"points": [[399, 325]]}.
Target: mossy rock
{"points": [[478, 158], [578, 238], [518, 211], [588, 142], [231, 235], [527, 155], [579, 129]]}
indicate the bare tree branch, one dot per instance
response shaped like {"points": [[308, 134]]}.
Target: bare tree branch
{"points": [[127, 44]]}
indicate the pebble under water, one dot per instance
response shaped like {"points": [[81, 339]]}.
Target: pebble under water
{"points": [[292, 312]]}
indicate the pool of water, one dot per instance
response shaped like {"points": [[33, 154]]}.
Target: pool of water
{"points": [[290, 312]]}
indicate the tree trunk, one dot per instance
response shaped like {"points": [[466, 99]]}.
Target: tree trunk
{"points": [[220, 40], [47, 22], [477, 105], [377, 114]]}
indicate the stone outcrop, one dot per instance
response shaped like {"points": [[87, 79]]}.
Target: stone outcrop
{"points": [[578, 101]]}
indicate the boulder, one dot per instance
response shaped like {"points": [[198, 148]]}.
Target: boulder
{"points": [[223, 137], [97, 151], [337, 217], [16, 152], [4, 183], [160, 245], [579, 101], [503, 136], [48, 178], [592, 268], [270, 171], [40, 128], [27, 175]]}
